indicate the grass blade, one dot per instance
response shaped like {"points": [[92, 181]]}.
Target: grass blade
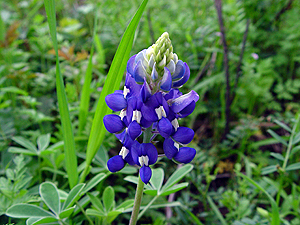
{"points": [[69, 147], [86, 94], [112, 83], [216, 210]]}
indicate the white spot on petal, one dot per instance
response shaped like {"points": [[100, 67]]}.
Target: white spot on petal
{"points": [[176, 145], [122, 113], [126, 91], [144, 160], [175, 124], [137, 115], [124, 152], [160, 112]]}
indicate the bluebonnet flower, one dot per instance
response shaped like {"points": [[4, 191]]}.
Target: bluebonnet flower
{"points": [[151, 100]]}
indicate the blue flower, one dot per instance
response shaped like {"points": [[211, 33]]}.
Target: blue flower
{"points": [[144, 155], [151, 100]]}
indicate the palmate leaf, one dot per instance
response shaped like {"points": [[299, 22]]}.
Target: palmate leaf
{"points": [[112, 83]]}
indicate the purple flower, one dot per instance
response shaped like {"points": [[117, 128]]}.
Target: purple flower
{"points": [[151, 101]]}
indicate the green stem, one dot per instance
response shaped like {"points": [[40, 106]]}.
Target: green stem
{"points": [[137, 202], [147, 206], [83, 212], [288, 152]]}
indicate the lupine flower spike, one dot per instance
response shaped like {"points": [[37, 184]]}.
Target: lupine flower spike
{"points": [[151, 100]]}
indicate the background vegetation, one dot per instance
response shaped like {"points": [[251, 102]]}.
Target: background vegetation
{"points": [[259, 137]]}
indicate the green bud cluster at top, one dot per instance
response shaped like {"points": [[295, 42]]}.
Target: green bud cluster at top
{"points": [[162, 54]]}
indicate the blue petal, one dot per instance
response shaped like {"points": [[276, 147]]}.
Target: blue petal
{"points": [[145, 92], [116, 101], [139, 72], [145, 174], [113, 123], [150, 150], [134, 130], [162, 102], [184, 79], [131, 103], [165, 127], [148, 109], [130, 65], [183, 101], [179, 70], [183, 135], [185, 155], [136, 152], [166, 81], [145, 123], [129, 159], [154, 74], [140, 56], [115, 163], [169, 148], [172, 94], [187, 110], [132, 86]]}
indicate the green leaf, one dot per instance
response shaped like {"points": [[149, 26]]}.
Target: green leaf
{"points": [[108, 198], [131, 179], [277, 156], [112, 215], [275, 210], [43, 142], [295, 166], [112, 83], [125, 205], [93, 212], [25, 210], [94, 181], [96, 203], [157, 178], [277, 137], [67, 212], [73, 196], [22, 151], [192, 216], [216, 210], [25, 143], [13, 89], [296, 139], [69, 146], [177, 176], [284, 126], [268, 169], [174, 189], [49, 195], [40, 220], [150, 192]]}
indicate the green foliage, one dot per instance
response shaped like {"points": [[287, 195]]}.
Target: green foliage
{"points": [[263, 142], [51, 198], [13, 187], [105, 210]]}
